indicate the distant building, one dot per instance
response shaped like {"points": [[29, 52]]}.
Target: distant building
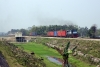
{"points": [[18, 34], [19, 37], [11, 35]]}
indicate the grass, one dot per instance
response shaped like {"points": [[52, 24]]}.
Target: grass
{"points": [[39, 49], [43, 51], [79, 63]]}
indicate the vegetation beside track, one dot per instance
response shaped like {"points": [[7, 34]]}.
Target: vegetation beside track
{"points": [[16, 57], [37, 45], [5, 50], [42, 51], [87, 47]]}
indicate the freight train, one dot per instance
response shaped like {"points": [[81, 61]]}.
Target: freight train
{"points": [[60, 33], [63, 33]]}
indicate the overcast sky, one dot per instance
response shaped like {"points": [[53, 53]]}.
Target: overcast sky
{"points": [[16, 14]]}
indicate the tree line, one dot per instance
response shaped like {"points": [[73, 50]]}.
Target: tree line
{"points": [[42, 30]]}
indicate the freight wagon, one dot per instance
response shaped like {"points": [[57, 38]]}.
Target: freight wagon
{"points": [[55, 34], [50, 33], [63, 33], [33, 34]]}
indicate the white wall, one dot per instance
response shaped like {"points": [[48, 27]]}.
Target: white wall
{"points": [[18, 34]]}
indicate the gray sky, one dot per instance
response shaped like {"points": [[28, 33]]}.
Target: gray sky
{"points": [[18, 14]]}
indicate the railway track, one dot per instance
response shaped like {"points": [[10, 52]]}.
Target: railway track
{"points": [[29, 37], [74, 38]]}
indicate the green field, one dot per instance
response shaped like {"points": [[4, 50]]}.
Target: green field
{"points": [[43, 51]]}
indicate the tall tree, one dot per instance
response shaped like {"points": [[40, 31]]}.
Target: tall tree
{"points": [[83, 31], [24, 32], [92, 31]]}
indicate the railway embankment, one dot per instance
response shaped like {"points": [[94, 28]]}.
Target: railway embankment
{"points": [[3, 62], [12, 56], [87, 51]]}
